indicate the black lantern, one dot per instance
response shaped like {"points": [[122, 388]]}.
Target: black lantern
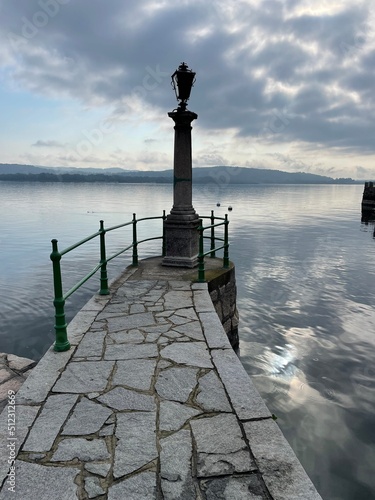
{"points": [[182, 80]]}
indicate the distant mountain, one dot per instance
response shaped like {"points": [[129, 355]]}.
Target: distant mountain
{"points": [[242, 175], [14, 168], [86, 171], [6, 168], [220, 175]]}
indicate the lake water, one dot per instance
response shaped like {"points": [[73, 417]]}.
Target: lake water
{"points": [[305, 272]]}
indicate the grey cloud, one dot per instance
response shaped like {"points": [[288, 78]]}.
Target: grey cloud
{"points": [[212, 158], [101, 52], [360, 80], [310, 98], [363, 173], [329, 29], [48, 144], [282, 60]]}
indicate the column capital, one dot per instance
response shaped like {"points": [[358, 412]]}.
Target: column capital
{"points": [[182, 117]]}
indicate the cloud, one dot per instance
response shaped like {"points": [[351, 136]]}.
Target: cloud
{"points": [[212, 158], [363, 173], [48, 144], [278, 72]]}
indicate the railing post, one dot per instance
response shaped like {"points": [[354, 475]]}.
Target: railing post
{"points": [[226, 244], [164, 247], [135, 244], [212, 248], [62, 342], [201, 271], [103, 260]]}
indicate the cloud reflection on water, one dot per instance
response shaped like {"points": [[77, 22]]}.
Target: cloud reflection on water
{"points": [[305, 274]]}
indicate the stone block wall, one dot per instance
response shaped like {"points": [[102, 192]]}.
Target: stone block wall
{"points": [[223, 292]]}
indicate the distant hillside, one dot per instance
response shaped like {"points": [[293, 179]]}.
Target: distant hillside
{"points": [[14, 168], [6, 168], [241, 175], [219, 175]]}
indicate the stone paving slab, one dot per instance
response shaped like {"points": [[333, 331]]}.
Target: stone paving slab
{"points": [[87, 418], [47, 426], [244, 397], [25, 417], [84, 377], [283, 475], [43, 483], [176, 467], [37, 386], [135, 373], [211, 394], [149, 403]]}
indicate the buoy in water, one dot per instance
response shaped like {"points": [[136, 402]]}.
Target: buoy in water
{"points": [[230, 208], [218, 204]]}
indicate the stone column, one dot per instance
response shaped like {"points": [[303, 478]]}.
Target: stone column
{"points": [[182, 222]]}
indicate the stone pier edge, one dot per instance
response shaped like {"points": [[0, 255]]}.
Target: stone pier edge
{"points": [[283, 475]]}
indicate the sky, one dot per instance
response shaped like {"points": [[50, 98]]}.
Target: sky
{"points": [[280, 84]]}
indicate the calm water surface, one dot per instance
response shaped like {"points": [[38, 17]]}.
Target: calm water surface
{"points": [[305, 275]]}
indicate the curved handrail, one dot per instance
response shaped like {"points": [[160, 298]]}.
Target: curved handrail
{"points": [[62, 343]]}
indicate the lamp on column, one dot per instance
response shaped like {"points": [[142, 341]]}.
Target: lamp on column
{"points": [[183, 80]]}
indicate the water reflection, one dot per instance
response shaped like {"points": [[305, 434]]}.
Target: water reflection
{"points": [[307, 327], [306, 298], [368, 221]]}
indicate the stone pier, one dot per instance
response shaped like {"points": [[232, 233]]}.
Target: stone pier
{"points": [[151, 402]]}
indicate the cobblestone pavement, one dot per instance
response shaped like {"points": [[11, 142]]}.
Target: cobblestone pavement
{"points": [[150, 402]]}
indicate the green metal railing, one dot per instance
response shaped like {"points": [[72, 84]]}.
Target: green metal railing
{"points": [[62, 343], [213, 238]]}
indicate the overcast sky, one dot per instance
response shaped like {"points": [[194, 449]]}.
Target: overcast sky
{"points": [[283, 84]]}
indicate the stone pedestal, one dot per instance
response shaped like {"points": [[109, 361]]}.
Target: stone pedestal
{"points": [[182, 243], [181, 225]]}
